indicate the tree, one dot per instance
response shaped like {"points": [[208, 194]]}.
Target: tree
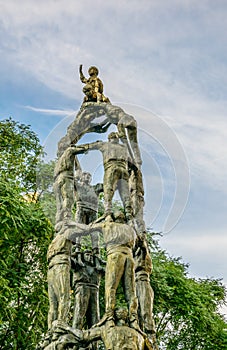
{"points": [[20, 152], [186, 309], [25, 233], [24, 236]]}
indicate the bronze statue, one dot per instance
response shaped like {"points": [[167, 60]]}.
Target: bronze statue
{"points": [[93, 89], [61, 337], [58, 277], [86, 282], [125, 123], [64, 183], [144, 291], [124, 235], [86, 198], [119, 239], [82, 124], [115, 160], [127, 130], [137, 197], [122, 337], [118, 337]]}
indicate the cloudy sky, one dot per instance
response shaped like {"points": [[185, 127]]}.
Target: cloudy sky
{"points": [[162, 61]]}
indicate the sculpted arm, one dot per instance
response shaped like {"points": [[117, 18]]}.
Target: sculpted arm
{"points": [[98, 145], [87, 146], [65, 328], [96, 227], [82, 77], [79, 149], [76, 229], [92, 334]]}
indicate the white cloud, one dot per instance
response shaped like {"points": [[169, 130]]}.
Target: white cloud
{"points": [[63, 113], [158, 56], [200, 249], [148, 32], [169, 57], [204, 140]]}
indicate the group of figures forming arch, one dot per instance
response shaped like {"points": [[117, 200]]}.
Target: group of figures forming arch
{"points": [[71, 265]]}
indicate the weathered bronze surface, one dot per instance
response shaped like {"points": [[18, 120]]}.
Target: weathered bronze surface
{"points": [[93, 89], [58, 277], [63, 336], [86, 280], [144, 291], [116, 176], [137, 197], [86, 198], [127, 255], [119, 238]]}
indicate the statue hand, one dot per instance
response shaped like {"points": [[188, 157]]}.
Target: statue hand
{"points": [[86, 148], [81, 149], [59, 324], [80, 69]]}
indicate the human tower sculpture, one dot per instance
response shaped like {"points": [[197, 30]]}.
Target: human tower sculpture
{"points": [[74, 270]]}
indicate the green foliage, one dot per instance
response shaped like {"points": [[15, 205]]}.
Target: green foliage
{"points": [[186, 309], [25, 233], [24, 236], [20, 152]]}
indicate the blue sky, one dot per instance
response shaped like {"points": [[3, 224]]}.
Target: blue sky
{"points": [[162, 61]]}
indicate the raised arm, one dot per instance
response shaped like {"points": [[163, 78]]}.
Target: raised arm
{"points": [[82, 77]]}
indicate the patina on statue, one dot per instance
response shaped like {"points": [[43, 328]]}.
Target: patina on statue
{"points": [[74, 271]]}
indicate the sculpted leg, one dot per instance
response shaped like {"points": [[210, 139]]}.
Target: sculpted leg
{"points": [[130, 288], [132, 135], [59, 200], [114, 272], [109, 187], [63, 285], [68, 198], [94, 315], [145, 296], [53, 303], [59, 292], [123, 188], [81, 302]]}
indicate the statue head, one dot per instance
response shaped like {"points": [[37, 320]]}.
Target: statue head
{"points": [[93, 71], [119, 216], [113, 137], [88, 257], [121, 315], [86, 178]]}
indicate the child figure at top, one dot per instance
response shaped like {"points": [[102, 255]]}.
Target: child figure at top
{"points": [[93, 89]]}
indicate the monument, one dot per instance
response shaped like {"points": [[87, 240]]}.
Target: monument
{"points": [[75, 265]]}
